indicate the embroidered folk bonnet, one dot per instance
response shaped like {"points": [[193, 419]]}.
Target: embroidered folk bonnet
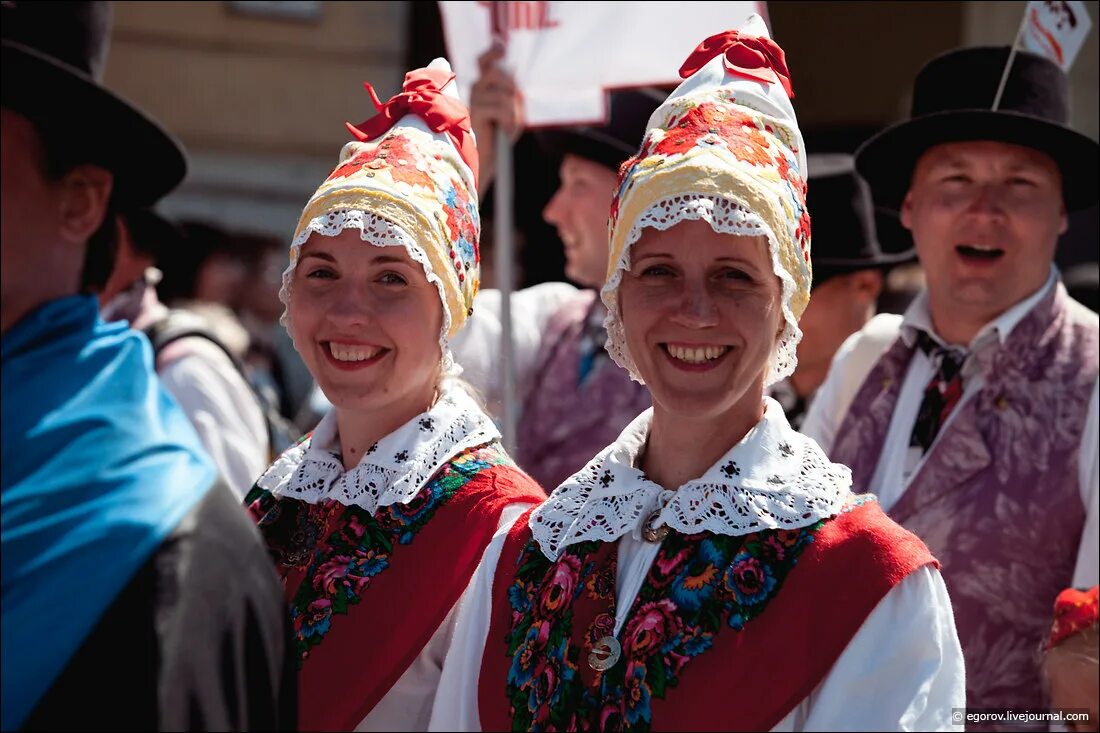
{"points": [[409, 178], [724, 147]]}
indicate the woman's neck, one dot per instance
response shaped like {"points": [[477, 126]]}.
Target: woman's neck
{"points": [[682, 448], [358, 430]]}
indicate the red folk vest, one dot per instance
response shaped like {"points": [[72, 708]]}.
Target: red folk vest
{"points": [[368, 592], [765, 629]]}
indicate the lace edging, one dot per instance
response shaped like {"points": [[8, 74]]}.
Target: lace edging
{"points": [[608, 499], [391, 472], [726, 217], [379, 232]]}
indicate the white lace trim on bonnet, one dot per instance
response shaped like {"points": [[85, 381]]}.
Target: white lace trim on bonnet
{"points": [[381, 233], [725, 217]]}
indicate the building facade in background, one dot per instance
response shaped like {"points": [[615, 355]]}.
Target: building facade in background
{"points": [[258, 91]]}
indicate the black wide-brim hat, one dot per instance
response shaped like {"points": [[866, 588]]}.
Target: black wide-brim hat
{"points": [[848, 233], [613, 142], [53, 56], [953, 102]]}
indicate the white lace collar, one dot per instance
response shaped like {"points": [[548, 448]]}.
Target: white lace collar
{"points": [[774, 478], [394, 469]]}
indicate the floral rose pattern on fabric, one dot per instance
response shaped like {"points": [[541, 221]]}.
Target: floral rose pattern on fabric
{"points": [[342, 548], [710, 124], [748, 137], [397, 154], [698, 585]]}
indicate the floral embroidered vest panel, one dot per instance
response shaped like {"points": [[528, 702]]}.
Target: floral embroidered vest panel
{"points": [[367, 592], [711, 638], [997, 498], [565, 421]]}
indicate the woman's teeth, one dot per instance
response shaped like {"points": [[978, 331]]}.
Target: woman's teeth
{"points": [[347, 352], [696, 354]]}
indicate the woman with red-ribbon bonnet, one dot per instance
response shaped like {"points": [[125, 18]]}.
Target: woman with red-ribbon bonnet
{"points": [[711, 569], [377, 519]]}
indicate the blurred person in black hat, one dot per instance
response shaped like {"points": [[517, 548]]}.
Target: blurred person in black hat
{"points": [[115, 523], [573, 399], [975, 418], [849, 269], [198, 354]]}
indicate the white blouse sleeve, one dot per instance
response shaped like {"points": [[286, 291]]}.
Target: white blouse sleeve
{"points": [[455, 707], [903, 670], [410, 703]]}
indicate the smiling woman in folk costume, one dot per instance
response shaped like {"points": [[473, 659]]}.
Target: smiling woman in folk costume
{"points": [[377, 519], [711, 568]]}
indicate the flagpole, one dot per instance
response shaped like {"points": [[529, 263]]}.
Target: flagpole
{"points": [[504, 254], [1008, 64]]}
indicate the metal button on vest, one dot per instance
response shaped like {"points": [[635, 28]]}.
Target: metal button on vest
{"points": [[604, 654]]}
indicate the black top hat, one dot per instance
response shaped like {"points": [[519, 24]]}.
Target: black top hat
{"points": [[953, 102], [842, 220], [53, 58], [614, 142]]}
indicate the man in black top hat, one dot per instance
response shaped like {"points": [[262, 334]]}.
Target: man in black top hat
{"points": [[974, 416], [136, 592], [573, 399], [849, 266]]}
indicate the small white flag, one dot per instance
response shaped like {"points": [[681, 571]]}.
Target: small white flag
{"points": [[1056, 29], [565, 56]]}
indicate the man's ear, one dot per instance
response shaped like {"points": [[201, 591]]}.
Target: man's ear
{"points": [[84, 194], [866, 284], [906, 213]]}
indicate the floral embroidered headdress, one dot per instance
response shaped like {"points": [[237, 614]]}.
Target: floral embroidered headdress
{"points": [[409, 178], [724, 147]]}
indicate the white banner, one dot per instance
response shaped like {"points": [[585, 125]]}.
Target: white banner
{"points": [[1056, 29], [565, 55]]}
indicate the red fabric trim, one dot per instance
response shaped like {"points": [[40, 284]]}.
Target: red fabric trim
{"points": [[492, 698], [785, 653], [422, 95], [759, 675], [367, 651]]}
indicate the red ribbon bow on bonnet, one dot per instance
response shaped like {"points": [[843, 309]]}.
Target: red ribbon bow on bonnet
{"points": [[1074, 611], [747, 56], [422, 95]]}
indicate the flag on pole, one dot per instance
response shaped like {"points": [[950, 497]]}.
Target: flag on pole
{"points": [[1056, 29], [564, 56]]}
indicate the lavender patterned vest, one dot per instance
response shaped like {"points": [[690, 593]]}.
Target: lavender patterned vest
{"points": [[997, 499], [563, 424]]}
